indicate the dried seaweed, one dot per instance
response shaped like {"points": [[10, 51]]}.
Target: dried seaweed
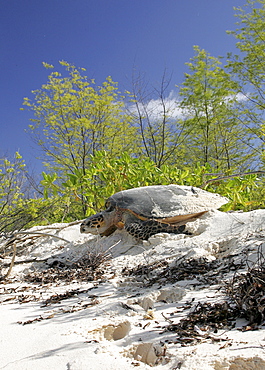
{"points": [[201, 269], [88, 268], [202, 320], [245, 299], [70, 309], [247, 293], [57, 298], [143, 271]]}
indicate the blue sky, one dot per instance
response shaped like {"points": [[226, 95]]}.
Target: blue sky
{"points": [[108, 38]]}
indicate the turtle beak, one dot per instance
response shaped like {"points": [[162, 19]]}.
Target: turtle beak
{"points": [[94, 224]]}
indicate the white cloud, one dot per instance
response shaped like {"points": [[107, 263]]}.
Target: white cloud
{"points": [[155, 107]]}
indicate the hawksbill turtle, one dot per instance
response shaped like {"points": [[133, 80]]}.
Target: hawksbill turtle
{"points": [[148, 210]]}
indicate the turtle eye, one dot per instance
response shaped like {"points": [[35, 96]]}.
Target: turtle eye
{"points": [[109, 207]]}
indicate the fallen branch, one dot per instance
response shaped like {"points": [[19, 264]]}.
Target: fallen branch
{"points": [[31, 260], [12, 262], [230, 176], [38, 234], [41, 234], [13, 240], [64, 226]]}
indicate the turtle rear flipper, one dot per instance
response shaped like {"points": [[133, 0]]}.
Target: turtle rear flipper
{"points": [[143, 230], [181, 219], [172, 220]]}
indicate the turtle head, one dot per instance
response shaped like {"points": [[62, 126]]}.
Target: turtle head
{"points": [[99, 224]]}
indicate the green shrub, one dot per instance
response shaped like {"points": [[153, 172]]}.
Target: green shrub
{"points": [[86, 193]]}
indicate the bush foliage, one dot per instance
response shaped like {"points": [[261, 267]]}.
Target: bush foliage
{"points": [[78, 195], [104, 176]]}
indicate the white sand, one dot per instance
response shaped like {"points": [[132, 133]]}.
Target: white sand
{"points": [[107, 334]]}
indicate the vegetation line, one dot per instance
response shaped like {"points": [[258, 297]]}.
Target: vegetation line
{"points": [[230, 177]]}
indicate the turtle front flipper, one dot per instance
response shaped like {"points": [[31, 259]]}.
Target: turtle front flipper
{"points": [[143, 230]]}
